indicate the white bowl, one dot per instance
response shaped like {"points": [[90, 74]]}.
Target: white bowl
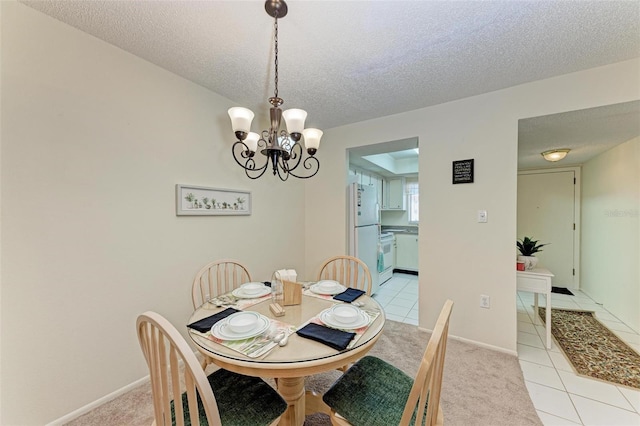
{"points": [[345, 314], [241, 322], [327, 285], [252, 288]]}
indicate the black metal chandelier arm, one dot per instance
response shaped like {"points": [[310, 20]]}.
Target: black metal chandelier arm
{"points": [[261, 171], [283, 174], [295, 156], [244, 152], [249, 165], [251, 171], [310, 163]]}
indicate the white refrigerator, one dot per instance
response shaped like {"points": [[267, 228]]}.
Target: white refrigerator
{"points": [[364, 228]]}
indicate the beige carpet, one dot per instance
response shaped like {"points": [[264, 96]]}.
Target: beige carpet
{"points": [[480, 386]]}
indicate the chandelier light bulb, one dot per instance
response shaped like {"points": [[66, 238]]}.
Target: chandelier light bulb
{"points": [[251, 141], [240, 119], [294, 119], [312, 139]]}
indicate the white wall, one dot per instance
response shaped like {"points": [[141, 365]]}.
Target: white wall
{"points": [[459, 258], [93, 142], [610, 230]]}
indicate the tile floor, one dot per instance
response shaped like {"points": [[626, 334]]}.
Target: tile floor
{"points": [[560, 396], [399, 298]]}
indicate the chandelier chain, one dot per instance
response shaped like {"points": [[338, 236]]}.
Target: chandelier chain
{"points": [[276, 55]]}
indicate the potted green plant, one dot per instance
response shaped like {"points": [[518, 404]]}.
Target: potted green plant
{"points": [[528, 247]]}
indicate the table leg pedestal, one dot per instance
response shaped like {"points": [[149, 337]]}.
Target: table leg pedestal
{"points": [[315, 404], [292, 390]]}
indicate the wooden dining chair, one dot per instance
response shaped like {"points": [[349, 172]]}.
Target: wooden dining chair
{"points": [[347, 270], [238, 400], [216, 278], [373, 392]]}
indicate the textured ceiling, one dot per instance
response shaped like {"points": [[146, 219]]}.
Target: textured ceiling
{"points": [[349, 61], [587, 132]]}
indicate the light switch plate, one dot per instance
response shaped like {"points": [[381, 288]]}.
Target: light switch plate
{"points": [[485, 301], [482, 216]]}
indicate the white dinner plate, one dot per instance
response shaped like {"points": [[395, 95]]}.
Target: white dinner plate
{"points": [[222, 331], [317, 288], [238, 292], [327, 318]]}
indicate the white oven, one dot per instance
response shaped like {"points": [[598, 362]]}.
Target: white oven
{"points": [[387, 242]]}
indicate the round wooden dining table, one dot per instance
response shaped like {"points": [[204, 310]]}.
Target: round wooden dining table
{"points": [[300, 357]]}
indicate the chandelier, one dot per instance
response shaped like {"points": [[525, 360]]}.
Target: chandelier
{"points": [[280, 148]]}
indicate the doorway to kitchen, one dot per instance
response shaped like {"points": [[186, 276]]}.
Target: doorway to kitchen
{"points": [[390, 170]]}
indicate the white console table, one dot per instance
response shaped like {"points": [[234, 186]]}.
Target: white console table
{"points": [[538, 280]]}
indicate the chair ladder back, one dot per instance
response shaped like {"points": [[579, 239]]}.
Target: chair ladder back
{"points": [[428, 381], [345, 272], [164, 348], [163, 395], [192, 401], [216, 278], [149, 346], [175, 386], [349, 271]]}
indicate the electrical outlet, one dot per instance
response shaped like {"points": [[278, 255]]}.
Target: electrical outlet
{"points": [[485, 301]]}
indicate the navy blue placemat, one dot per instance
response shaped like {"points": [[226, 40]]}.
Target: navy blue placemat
{"points": [[337, 339], [205, 324], [349, 295]]}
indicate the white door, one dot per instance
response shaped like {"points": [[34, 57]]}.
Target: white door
{"points": [[546, 212]]}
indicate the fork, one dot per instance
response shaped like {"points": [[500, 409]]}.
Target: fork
{"points": [[274, 337], [262, 340]]}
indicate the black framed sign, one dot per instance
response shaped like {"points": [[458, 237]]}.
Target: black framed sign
{"points": [[462, 171]]}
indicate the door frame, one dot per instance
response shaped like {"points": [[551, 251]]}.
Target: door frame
{"points": [[577, 202]]}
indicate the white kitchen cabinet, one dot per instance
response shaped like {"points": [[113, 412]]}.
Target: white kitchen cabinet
{"points": [[407, 252], [384, 194], [377, 184], [365, 178], [394, 196]]}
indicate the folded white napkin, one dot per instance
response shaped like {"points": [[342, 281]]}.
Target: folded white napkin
{"points": [[287, 275]]}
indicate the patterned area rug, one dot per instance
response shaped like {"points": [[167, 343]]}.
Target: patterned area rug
{"points": [[593, 349]]}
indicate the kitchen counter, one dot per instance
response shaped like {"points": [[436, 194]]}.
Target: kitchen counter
{"points": [[412, 230]]}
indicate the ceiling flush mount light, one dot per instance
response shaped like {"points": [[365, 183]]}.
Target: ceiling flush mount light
{"points": [[555, 154], [283, 149]]}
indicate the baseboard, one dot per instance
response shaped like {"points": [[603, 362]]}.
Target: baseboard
{"points": [[485, 345], [113, 395], [476, 343], [98, 402]]}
